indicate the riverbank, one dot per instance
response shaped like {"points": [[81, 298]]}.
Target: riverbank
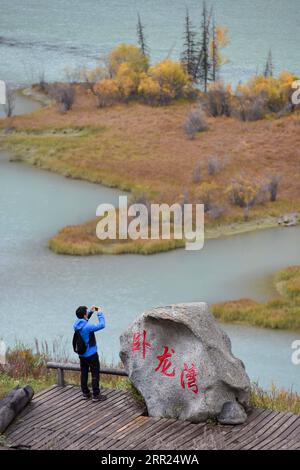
{"points": [[81, 240], [24, 366], [281, 313], [145, 150]]}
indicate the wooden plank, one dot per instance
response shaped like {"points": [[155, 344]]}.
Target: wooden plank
{"points": [[105, 427], [38, 417], [293, 444], [147, 427], [63, 429], [107, 430], [127, 428], [93, 426], [36, 403], [59, 419], [107, 408], [245, 431], [160, 439], [264, 431], [193, 431], [114, 420], [251, 424], [46, 409], [285, 433], [48, 391], [76, 367], [81, 407], [139, 438], [278, 434], [203, 437]]}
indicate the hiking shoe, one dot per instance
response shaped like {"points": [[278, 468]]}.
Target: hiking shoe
{"points": [[86, 396], [97, 398]]}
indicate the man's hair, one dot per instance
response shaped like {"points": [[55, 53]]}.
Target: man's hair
{"points": [[81, 312]]}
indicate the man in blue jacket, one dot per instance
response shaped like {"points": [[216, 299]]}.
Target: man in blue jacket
{"points": [[90, 359]]}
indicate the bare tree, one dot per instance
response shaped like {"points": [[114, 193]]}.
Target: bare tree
{"points": [[273, 187], [10, 101], [64, 96]]}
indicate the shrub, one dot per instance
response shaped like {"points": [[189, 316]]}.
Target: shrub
{"points": [[197, 174], [127, 80], [22, 362], [195, 122], [216, 211], [107, 92], [130, 55], [171, 79], [149, 89], [242, 193], [249, 108], [64, 96], [246, 194], [218, 100], [275, 92], [207, 192], [213, 166]]}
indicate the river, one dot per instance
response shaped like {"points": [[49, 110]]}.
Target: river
{"points": [[39, 37], [40, 290]]}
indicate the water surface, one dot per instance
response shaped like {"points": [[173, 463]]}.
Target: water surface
{"points": [[39, 37]]}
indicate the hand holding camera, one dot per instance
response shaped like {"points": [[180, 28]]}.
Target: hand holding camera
{"points": [[94, 308]]}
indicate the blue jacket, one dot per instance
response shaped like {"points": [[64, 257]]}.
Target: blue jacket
{"points": [[87, 331]]}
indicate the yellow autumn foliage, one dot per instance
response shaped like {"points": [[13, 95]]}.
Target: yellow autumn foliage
{"points": [[107, 92], [127, 80], [130, 55], [276, 91]]}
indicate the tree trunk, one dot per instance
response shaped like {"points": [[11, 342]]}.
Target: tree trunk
{"points": [[13, 404]]}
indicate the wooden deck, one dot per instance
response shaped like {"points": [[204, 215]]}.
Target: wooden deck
{"points": [[59, 419]]}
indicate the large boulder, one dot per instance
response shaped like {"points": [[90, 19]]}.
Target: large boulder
{"points": [[181, 362]]}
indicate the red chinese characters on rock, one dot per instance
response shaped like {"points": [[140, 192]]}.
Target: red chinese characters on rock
{"points": [[188, 378], [164, 364], [140, 343]]}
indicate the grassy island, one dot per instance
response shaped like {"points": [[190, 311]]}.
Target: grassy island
{"points": [[145, 150], [281, 313]]}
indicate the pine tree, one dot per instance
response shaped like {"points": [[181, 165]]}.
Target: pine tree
{"points": [[141, 37], [204, 61], [269, 68], [189, 57]]}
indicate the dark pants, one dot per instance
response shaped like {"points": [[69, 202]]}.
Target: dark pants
{"points": [[90, 364]]}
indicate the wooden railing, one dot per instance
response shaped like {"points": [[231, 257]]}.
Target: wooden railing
{"points": [[61, 367]]}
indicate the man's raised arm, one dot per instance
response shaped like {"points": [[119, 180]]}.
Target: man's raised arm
{"points": [[98, 326]]}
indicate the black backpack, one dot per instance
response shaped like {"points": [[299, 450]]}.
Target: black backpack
{"points": [[79, 345]]}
